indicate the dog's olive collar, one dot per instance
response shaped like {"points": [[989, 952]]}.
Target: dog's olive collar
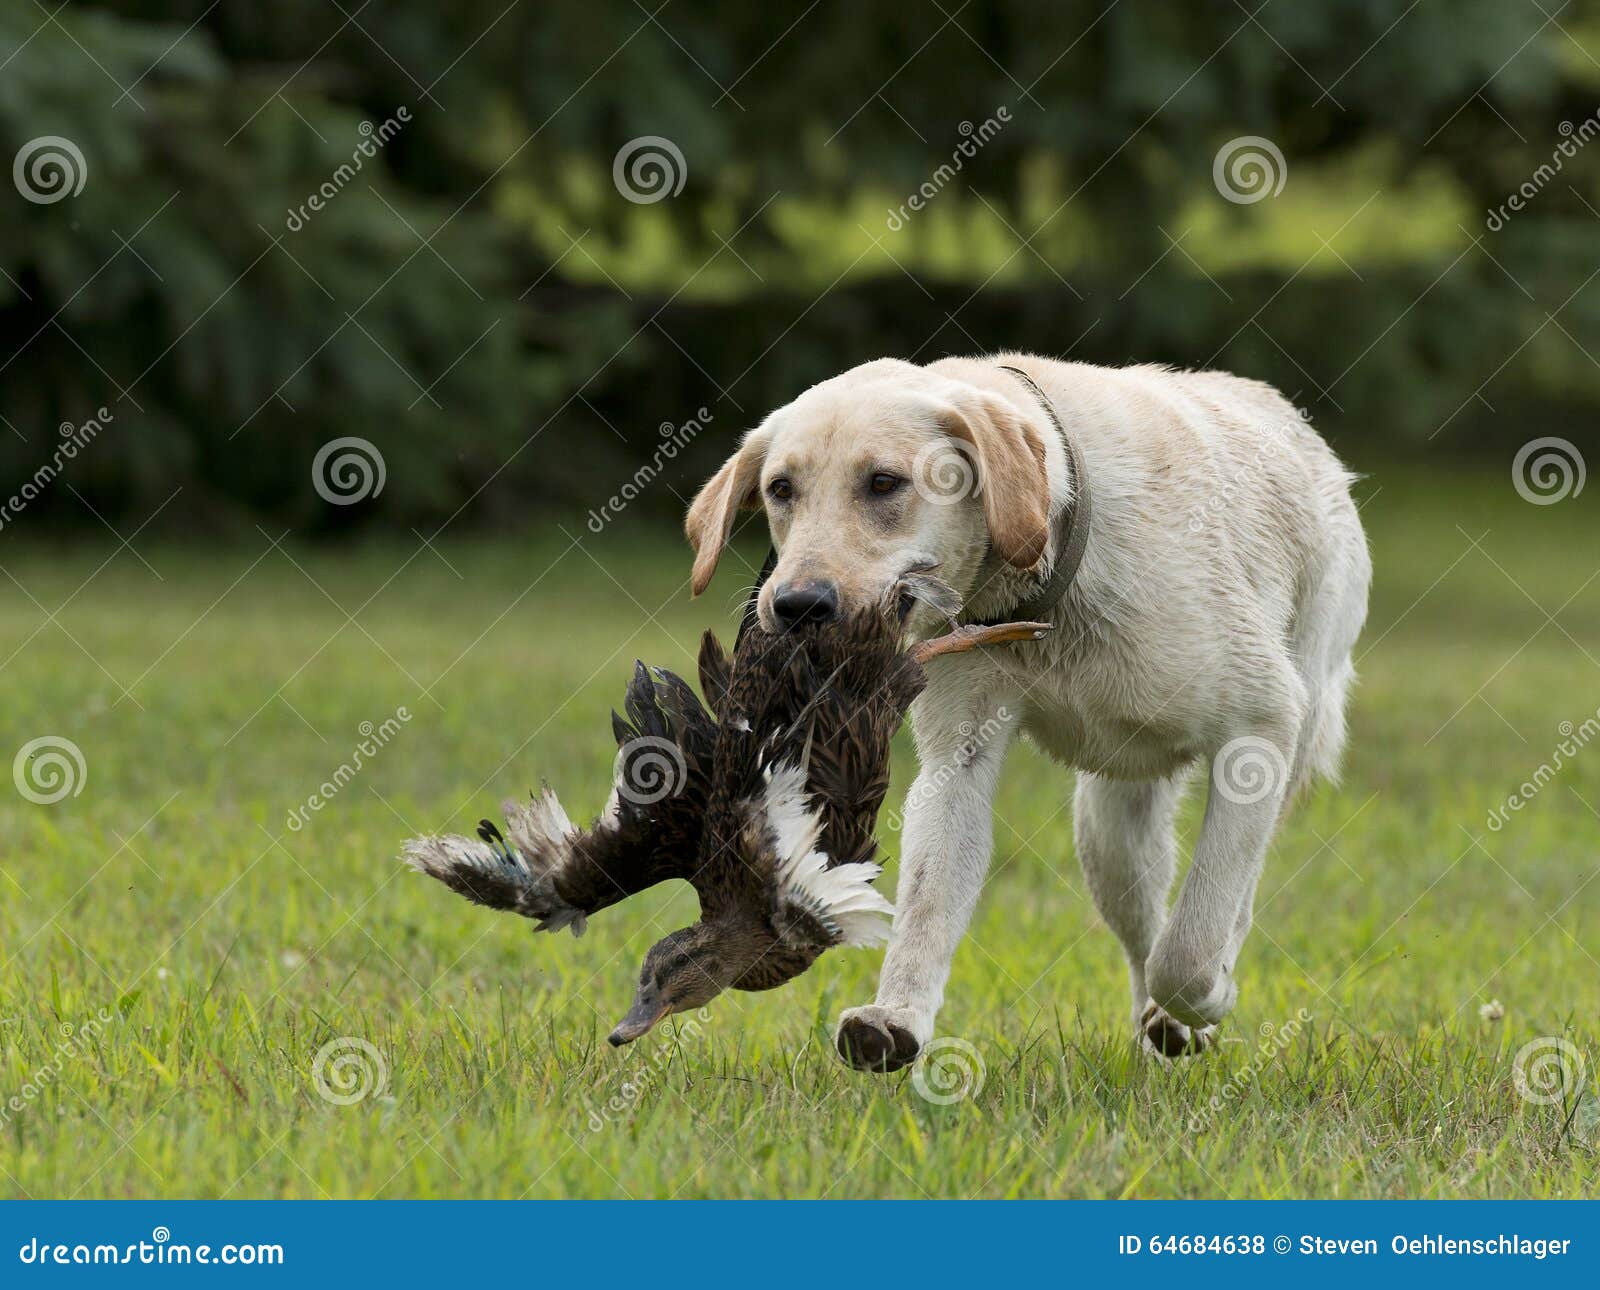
{"points": [[1071, 526]]}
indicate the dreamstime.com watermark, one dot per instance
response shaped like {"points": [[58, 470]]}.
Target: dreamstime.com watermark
{"points": [[348, 470], [930, 785], [74, 439], [1249, 168], [1574, 739], [674, 439], [1274, 442], [973, 139], [372, 138], [943, 474], [1572, 139], [649, 769], [1547, 1070], [160, 1250], [647, 1075], [649, 168], [948, 1071], [49, 168], [1549, 470], [75, 1041], [374, 739], [348, 1070], [1274, 1039], [1250, 769], [49, 769]]}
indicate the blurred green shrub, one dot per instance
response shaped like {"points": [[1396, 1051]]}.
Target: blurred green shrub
{"points": [[303, 221]]}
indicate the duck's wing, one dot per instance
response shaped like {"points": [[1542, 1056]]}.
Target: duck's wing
{"points": [[545, 868], [802, 769], [769, 847], [857, 713], [825, 773], [854, 687], [827, 901]]}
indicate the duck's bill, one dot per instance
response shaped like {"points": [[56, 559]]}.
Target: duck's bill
{"points": [[972, 636], [641, 1017]]}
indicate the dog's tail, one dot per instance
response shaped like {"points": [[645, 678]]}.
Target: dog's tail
{"points": [[1328, 618]]}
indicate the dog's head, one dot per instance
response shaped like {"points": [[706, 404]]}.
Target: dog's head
{"points": [[886, 469]]}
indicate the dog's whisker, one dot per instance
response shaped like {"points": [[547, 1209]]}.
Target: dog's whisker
{"points": [[928, 589]]}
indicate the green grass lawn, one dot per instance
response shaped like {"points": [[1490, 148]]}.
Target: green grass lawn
{"points": [[203, 952]]}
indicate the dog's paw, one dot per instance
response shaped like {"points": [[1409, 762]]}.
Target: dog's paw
{"points": [[1164, 1036], [878, 1039]]}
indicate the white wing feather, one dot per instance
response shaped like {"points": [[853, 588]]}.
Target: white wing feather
{"points": [[844, 895]]}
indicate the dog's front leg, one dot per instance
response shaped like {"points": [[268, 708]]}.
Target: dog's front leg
{"points": [[948, 833]]}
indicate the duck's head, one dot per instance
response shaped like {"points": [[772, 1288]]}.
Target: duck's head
{"points": [[683, 971]]}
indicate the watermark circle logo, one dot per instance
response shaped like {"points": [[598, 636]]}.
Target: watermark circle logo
{"points": [[348, 470], [949, 1071], [1549, 470], [49, 168], [348, 1070], [649, 769], [649, 168], [1249, 168], [49, 769], [943, 474], [1545, 1069], [1249, 769]]}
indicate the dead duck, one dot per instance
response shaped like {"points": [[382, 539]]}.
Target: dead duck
{"points": [[787, 855], [801, 767], [769, 814]]}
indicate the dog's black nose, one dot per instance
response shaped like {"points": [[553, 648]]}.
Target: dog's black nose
{"points": [[805, 602]]}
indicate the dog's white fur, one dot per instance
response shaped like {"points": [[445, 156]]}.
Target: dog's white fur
{"points": [[1223, 588]]}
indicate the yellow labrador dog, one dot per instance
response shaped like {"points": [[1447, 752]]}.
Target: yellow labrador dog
{"points": [[1195, 544]]}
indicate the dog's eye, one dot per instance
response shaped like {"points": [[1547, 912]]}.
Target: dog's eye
{"points": [[782, 489], [883, 483]]}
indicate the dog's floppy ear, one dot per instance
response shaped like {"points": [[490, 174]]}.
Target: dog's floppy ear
{"points": [[713, 510], [1013, 483]]}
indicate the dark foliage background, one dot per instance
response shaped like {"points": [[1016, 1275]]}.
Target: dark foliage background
{"points": [[482, 302]]}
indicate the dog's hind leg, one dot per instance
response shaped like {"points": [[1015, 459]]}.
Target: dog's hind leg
{"points": [[1190, 971], [1124, 834]]}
